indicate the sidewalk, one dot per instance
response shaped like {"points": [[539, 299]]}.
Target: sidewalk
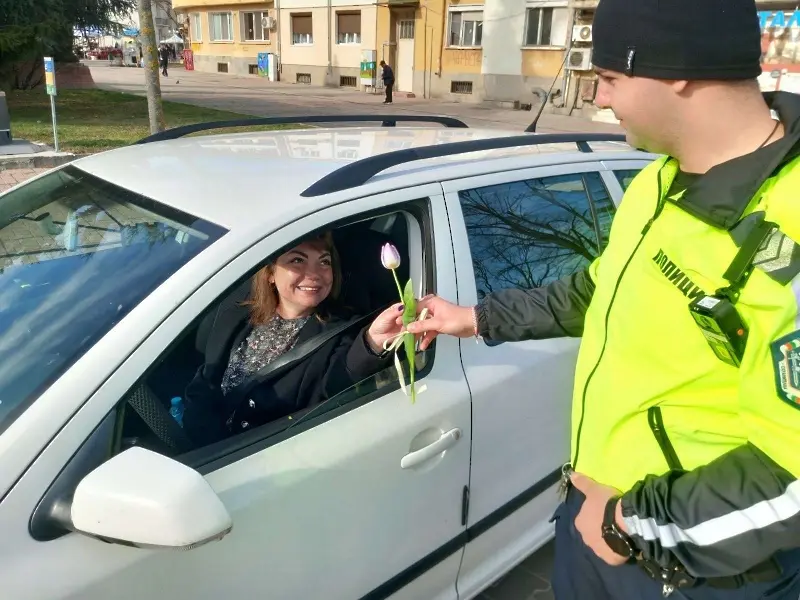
{"points": [[11, 177], [259, 97]]}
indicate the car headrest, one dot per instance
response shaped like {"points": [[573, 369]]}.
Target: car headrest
{"points": [[366, 284], [239, 294]]}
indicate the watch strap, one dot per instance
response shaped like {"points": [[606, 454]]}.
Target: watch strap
{"points": [[610, 513], [610, 529]]}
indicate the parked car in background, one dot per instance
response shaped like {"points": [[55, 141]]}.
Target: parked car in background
{"points": [[111, 272]]}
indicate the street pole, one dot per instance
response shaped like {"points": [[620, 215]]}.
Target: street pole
{"points": [[147, 35], [55, 125], [50, 86]]}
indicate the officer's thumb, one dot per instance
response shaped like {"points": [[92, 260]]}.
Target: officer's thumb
{"points": [[429, 324]]}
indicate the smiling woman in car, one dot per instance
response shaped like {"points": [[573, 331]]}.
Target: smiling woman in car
{"points": [[256, 372]]}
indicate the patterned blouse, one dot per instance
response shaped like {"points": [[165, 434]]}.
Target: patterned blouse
{"points": [[264, 344]]}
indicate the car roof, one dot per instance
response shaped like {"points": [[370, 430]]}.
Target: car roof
{"points": [[236, 179]]}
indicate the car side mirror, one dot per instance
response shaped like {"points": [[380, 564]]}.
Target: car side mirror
{"points": [[143, 499]]}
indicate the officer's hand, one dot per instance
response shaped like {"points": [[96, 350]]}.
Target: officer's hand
{"points": [[589, 521], [443, 317]]}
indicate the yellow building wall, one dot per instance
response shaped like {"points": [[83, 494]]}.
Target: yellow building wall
{"points": [[315, 54], [541, 63], [192, 5], [383, 33], [238, 48], [349, 55], [428, 36], [430, 24], [459, 60]]}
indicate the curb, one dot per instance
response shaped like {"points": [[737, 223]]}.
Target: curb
{"points": [[28, 161]]}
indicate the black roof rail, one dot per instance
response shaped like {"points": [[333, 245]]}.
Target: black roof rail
{"points": [[386, 121], [361, 171]]}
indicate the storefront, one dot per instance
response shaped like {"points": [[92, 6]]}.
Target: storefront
{"points": [[780, 49], [780, 39]]}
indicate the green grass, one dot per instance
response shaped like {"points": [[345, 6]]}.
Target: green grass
{"points": [[94, 120]]}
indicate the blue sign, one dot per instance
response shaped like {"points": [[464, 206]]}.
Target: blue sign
{"points": [[770, 20], [50, 75]]}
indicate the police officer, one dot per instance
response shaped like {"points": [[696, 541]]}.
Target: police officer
{"points": [[685, 451]]}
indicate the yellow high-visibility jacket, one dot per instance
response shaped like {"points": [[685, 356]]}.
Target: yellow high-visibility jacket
{"points": [[706, 453]]}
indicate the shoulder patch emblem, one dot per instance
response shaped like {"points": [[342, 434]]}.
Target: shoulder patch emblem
{"points": [[786, 364]]}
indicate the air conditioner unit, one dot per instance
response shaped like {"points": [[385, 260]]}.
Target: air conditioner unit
{"points": [[582, 33], [268, 22], [579, 59]]}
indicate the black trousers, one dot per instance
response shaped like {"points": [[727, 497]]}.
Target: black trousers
{"points": [[389, 85], [578, 574]]}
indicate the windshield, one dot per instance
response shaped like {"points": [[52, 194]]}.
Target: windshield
{"points": [[77, 254]]}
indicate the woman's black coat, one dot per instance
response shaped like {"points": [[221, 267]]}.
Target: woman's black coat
{"points": [[339, 363]]}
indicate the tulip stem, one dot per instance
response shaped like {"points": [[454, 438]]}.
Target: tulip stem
{"points": [[397, 282]]}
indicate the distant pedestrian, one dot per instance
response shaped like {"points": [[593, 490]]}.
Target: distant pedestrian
{"points": [[388, 81], [164, 58]]}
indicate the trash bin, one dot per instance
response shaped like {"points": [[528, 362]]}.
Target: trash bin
{"points": [[5, 121]]}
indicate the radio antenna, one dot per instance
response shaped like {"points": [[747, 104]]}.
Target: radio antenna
{"points": [[532, 127]]}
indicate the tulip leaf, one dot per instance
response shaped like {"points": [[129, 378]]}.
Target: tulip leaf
{"points": [[409, 304], [409, 315]]}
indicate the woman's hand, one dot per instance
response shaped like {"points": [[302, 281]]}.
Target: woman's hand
{"points": [[384, 327]]}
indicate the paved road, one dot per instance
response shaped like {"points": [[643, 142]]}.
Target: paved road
{"points": [[258, 97], [530, 580]]}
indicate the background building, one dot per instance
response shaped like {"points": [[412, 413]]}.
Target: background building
{"points": [[511, 52], [226, 36], [164, 20]]}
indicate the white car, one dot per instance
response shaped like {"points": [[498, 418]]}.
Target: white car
{"points": [[111, 271]]}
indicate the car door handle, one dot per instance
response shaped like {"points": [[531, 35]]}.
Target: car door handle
{"points": [[445, 441]]}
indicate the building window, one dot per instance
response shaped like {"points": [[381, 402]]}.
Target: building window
{"points": [[466, 28], [197, 27], [252, 28], [301, 29], [545, 26], [460, 87], [406, 29], [348, 28], [221, 27]]}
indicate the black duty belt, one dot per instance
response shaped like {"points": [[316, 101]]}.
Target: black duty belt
{"points": [[676, 577]]}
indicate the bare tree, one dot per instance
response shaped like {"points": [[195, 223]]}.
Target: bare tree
{"points": [[166, 6], [147, 35], [521, 242]]}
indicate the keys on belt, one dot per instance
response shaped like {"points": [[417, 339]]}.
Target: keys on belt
{"points": [[670, 579], [564, 484]]}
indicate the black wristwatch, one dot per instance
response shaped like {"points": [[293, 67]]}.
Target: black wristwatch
{"points": [[617, 540]]}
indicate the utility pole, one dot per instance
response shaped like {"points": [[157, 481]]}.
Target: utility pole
{"points": [[147, 34]]}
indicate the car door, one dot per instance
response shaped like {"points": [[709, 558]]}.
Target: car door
{"points": [[521, 229], [323, 510], [623, 172]]}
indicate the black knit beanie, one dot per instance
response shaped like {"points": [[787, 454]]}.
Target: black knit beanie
{"points": [[678, 39]]}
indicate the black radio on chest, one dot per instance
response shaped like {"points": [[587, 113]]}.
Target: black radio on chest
{"points": [[716, 315], [722, 326]]}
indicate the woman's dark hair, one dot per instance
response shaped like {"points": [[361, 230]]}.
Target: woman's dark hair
{"points": [[264, 298]]}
